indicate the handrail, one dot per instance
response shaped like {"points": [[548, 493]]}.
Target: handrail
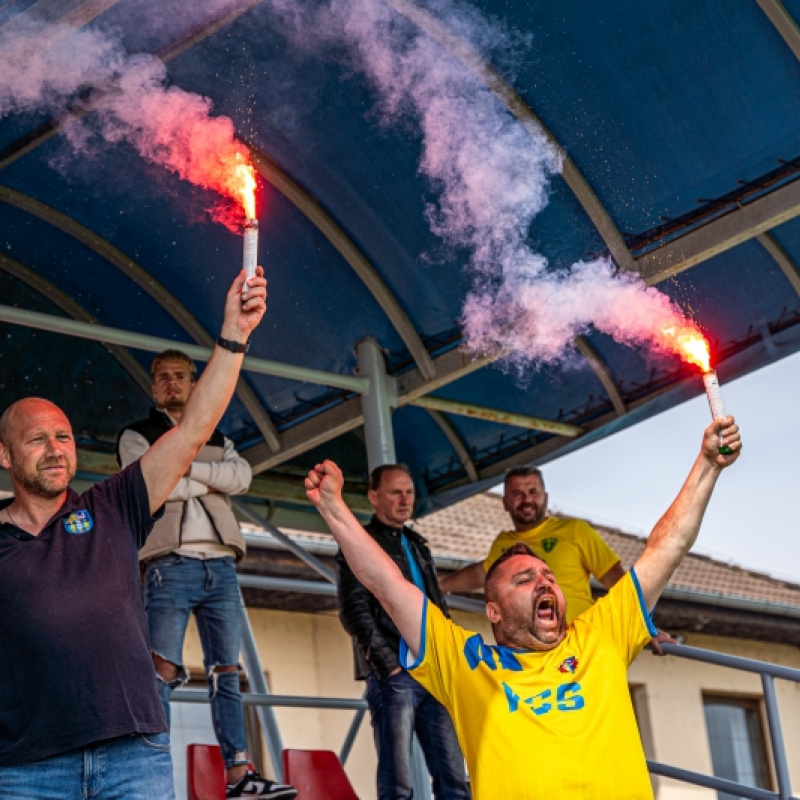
{"points": [[734, 662], [283, 700], [710, 781], [357, 704], [768, 674]]}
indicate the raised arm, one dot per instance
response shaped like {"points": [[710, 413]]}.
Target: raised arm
{"points": [[676, 531], [169, 458], [402, 600]]}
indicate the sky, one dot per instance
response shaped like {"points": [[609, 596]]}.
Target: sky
{"points": [[629, 479]]}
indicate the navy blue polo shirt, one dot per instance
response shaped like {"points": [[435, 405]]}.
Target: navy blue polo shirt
{"points": [[75, 661]]}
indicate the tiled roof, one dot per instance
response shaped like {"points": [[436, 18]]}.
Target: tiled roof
{"points": [[466, 530]]}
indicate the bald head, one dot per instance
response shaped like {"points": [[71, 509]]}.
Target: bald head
{"points": [[37, 448], [17, 414]]}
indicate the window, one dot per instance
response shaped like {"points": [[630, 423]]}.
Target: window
{"points": [[735, 734]]}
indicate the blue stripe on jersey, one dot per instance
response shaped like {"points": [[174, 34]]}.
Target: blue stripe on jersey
{"points": [[651, 629], [405, 653]]}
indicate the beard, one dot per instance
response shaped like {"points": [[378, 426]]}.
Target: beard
{"points": [[42, 485], [527, 520], [520, 628]]}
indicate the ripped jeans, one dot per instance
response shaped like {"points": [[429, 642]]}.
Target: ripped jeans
{"points": [[175, 587]]}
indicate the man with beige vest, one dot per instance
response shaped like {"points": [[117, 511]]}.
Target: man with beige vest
{"points": [[189, 561]]}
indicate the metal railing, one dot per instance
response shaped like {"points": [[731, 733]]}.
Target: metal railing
{"points": [[262, 700], [768, 673]]}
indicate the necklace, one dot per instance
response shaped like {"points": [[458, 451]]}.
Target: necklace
{"points": [[10, 518]]}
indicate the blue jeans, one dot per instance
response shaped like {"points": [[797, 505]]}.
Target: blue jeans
{"points": [[135, 767], [175, 587], [399, 707]]}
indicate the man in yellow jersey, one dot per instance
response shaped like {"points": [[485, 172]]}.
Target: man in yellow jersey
{"points": [[545, 712], [572, 548]]}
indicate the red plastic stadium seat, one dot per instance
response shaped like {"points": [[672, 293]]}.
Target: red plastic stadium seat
{"points": [[205, 772], [317, 775]]}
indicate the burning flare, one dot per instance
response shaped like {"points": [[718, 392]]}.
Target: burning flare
{"points": [[688, 343], [245, 185]]}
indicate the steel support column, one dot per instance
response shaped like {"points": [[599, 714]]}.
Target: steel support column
{"points": [[776, 737], [352, 732], [377, 404], [258, 684]]}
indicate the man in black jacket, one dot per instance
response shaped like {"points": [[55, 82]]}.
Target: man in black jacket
{"points": [[398, 705]]}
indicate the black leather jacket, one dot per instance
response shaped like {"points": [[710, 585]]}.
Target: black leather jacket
{"points": [[376, 640]]}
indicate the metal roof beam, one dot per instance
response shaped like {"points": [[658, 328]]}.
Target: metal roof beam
{"points": [[349, 415], [783, 22], [737, 226], [497, 415], [602, 371], [456, 442], [782, 259], [148, 284], [77, 18], [77, 312], [508, 96], [347, 249], [297, 195], [155, 344], [264, 487], [297, 440], [47, 11]]}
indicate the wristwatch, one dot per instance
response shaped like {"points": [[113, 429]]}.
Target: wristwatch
{"points": [[234, 347]]}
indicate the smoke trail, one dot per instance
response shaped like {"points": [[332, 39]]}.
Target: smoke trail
{"points": [[130, 100], [492, 176]]}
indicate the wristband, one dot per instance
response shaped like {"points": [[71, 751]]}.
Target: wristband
{"points": [[234, 347]]}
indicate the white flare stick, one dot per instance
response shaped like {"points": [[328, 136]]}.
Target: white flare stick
{"points": [[250, 257], [714, 395]]}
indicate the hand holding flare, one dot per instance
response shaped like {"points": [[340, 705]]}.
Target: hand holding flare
{"points": [[693, 347]]}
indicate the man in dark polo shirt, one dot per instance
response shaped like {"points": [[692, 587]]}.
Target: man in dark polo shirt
{"points": [[79, 711]]}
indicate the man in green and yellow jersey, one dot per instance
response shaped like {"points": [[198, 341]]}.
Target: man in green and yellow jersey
{"points": [[546, 711], [572, 548]]}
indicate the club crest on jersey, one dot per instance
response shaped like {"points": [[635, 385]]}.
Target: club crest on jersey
{"points": [[549, 544], [568, 665], [78, 522]]}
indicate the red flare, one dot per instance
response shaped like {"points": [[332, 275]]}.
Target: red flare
{"points": [[687, 342]]}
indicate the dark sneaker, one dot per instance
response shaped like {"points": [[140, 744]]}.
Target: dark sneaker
{"points": [[253, 787]]}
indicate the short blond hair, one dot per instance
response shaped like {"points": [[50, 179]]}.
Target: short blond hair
{"points": [[173, 355]]}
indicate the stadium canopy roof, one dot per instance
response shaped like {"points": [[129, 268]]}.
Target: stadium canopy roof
{"points": [[384, 132]]}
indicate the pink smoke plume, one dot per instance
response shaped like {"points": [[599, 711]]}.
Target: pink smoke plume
{"points": [[534, 318], [130, 102], [491, 173]]}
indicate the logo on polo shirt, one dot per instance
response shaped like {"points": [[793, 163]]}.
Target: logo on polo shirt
{"points": [[78, 522], [549, 544]]}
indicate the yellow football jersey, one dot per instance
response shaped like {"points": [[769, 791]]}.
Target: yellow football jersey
{"points": [[572, 548], [556, 724]]}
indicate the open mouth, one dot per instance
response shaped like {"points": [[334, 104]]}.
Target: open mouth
{"points": [[546, 610]]}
